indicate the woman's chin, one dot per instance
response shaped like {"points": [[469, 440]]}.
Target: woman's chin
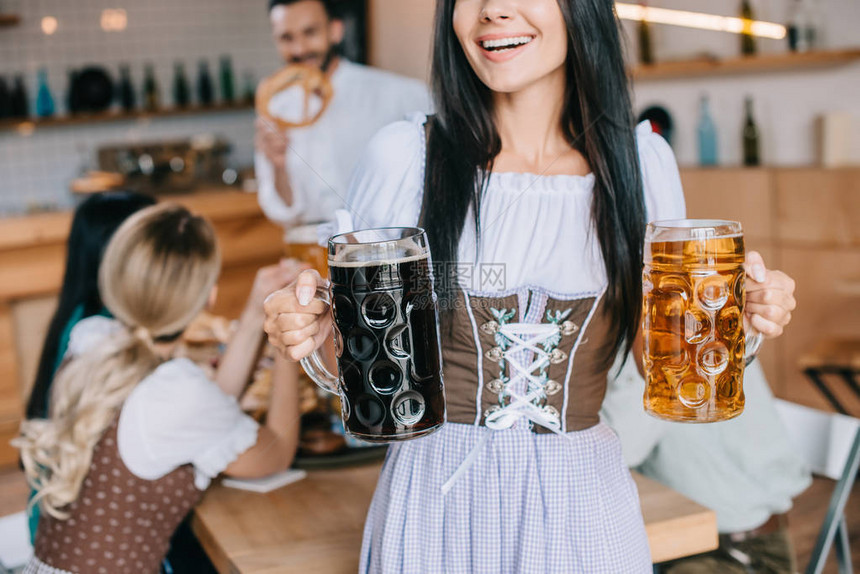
{"points": [[500, 85]]}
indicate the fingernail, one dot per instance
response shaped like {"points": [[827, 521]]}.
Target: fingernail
{"points": [[304, 295], [758, 273]]}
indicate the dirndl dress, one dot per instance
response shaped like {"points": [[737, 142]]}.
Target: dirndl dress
{"points": [[523, 477]]}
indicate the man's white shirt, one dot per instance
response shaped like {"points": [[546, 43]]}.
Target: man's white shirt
{"points": [[320, 158]]}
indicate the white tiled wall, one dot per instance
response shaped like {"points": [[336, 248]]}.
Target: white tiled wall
{"points": [[35, 170]]}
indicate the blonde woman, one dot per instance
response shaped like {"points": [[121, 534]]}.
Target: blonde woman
{"points": [[134, 436]]}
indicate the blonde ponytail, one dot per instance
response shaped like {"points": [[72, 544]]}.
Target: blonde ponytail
{"points": [[156, 276]]}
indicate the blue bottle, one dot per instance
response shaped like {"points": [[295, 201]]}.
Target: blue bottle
{"points": [[44, 99], [707, 135]]}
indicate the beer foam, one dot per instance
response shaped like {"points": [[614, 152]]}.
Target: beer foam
{"points": [[406, 258], [695, 239]]}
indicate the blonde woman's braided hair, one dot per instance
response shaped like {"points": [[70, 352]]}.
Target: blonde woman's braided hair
{"points": [[156, 276]]}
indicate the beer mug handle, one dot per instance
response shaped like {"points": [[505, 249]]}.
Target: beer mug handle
{"points": [[313, 363], [752, 345]]}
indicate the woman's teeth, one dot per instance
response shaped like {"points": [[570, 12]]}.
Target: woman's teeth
{"points": [[503, 44]]}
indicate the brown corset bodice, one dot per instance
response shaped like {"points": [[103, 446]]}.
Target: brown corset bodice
{"points": [[486, 356], [120, 523]]}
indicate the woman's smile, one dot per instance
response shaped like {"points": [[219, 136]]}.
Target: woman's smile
{"points": [[511, 44], [503, 47]]}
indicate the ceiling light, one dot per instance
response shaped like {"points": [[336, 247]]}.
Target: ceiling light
{"points": [[49, 25], [114, 20], [699, 20]]}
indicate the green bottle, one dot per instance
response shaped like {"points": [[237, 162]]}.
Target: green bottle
{"points": [[227, 87], [752, 138], [150, 90], [181, 92], [250, 89], [748, 45], [646, 44]]}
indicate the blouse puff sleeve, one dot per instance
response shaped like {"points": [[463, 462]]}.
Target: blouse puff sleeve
{"points": [[177, 416], [622, 408], [387, 185]]}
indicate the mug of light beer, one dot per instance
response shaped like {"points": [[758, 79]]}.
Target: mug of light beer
{"points": [[385, 319], [695, 345], [302, 242]]}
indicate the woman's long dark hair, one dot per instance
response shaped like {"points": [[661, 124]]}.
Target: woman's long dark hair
{"points": [[597, 121], [94, 223]]}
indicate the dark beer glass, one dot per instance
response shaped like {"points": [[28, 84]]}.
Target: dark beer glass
{"points": [[386, 335]]}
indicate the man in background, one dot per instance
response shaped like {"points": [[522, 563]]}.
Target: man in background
{"points": [[303, 174]]}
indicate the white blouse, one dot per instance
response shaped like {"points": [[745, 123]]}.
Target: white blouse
{"points": [[536, 229], [175, 416]]}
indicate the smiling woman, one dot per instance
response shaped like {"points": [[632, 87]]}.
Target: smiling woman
{"points": [[533, 165]]}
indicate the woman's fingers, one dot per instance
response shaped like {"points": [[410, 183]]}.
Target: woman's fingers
{"points": [[755, 267], [306, 285], [769, 297], [767, 328], [285, 301], [772, 297], [772, 313], [300, 351], [297, 322]]}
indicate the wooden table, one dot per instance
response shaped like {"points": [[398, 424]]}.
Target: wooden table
{"points": [[315, 525]]}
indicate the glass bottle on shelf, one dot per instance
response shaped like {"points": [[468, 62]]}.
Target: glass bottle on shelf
{"points": [[71, 100], [748, 43], [126, 90], [794, 28], [250, 88], [707, 132], [227, 86], [181, 92], [151, 98], [646, 43], [5, 99], [44, 99], [814, 24], [752, 137], [20, 102], [205, 93]]}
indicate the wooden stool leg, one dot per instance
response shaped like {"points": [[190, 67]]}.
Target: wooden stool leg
{"points": [[850, 377], [815, 376]]}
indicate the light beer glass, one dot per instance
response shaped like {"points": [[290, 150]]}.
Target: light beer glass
{"points": [[302, 243], [695, 346]]}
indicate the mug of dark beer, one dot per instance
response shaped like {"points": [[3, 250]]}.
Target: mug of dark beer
{"points": [[386, 335]]}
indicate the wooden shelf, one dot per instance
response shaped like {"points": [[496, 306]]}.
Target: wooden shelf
{"points": [[29, 125], [9, 20], [764, 63]]}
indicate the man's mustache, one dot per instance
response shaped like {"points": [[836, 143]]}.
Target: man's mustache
{"points": [[307, 58]]}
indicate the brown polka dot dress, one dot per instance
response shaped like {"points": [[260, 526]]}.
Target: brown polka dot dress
{"points": [[120, 523]]}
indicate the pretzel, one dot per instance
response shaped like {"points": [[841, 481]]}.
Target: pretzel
{"points": [[310, 79]]}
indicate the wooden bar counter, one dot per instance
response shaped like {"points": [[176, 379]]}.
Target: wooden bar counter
{"points": [[32, 260], [315, 525]]}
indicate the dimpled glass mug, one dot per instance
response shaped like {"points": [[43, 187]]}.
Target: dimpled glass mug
{"points": [[695, 348], [386, 335]]}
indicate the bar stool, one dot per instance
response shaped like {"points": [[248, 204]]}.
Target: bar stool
{"points": [[834, 530], [834, 356]]}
